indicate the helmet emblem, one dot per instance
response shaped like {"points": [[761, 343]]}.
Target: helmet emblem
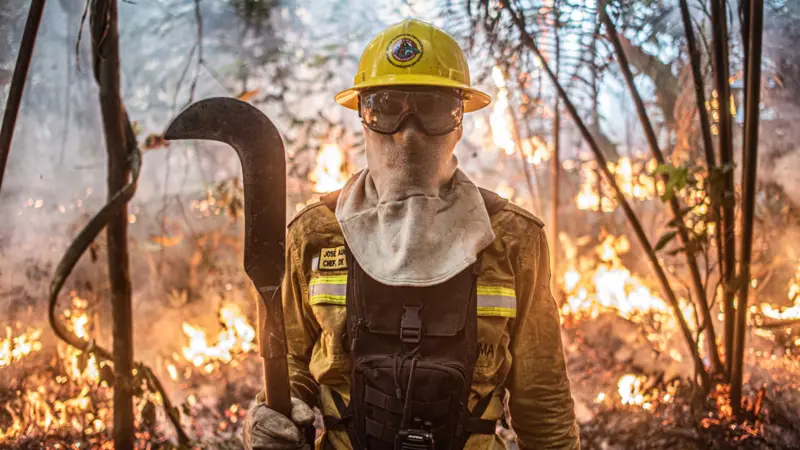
{"points": [[404, 50]]}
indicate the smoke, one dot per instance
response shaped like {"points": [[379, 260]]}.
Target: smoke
{"points": [[56, 174]]}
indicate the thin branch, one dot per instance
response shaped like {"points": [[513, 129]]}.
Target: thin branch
{"points": [[18, 82]]}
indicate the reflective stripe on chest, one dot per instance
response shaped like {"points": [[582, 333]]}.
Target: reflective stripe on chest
{"points": [[493, 301]]}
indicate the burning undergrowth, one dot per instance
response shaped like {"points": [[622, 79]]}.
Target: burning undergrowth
{"points": [[632, 377], [63, 396], [192, 330]]}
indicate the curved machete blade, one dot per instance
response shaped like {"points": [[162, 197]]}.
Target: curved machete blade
{"points": [[261, 152]]}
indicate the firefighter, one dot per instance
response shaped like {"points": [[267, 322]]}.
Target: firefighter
{"points": [[417, 304]]}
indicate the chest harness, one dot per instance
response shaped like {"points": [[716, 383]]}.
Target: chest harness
{"points": [[413, 351]]}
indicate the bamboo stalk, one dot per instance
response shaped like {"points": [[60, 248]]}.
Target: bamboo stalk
{"points": [[106, 68], [708, 146], [720, 64], [620, 196], [533, 189], [754, 12], [674, 205], [18, 81]]}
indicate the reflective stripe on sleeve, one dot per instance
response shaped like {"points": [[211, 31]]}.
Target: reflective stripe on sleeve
{"points": [[328, 289], [497, 301]]}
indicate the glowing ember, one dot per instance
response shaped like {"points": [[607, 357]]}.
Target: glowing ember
{"points": [[329, 175], [173, 372], [500, 118], [792, 312], [237, 336], [629, 388], [13, 348], [601, 397]]}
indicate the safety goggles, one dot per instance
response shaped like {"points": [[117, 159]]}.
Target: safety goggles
{"points": [[386, 110]]}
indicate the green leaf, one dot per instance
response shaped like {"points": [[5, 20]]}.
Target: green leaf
{"points": [[664, 169], [665, 240]]}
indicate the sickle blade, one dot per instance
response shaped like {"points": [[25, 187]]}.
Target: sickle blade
{"points": [[262, 155]]}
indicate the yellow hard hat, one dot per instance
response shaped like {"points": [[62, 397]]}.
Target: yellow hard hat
{"points": [[413, 52]]}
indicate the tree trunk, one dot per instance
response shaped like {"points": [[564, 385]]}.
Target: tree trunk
{"points": [[720, 62], [18, 82], [754, 19], [106, 69]]}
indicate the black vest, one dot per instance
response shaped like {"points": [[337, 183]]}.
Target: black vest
{"points": [[413, 352]]}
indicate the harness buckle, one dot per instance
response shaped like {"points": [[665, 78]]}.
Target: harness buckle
{"points": [[411, 325]]}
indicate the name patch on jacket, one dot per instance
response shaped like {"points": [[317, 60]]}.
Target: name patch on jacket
{"points": [[332, 259], [485, 350]]}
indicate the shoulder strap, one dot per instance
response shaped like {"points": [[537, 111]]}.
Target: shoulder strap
{"points": [[494, 203]]}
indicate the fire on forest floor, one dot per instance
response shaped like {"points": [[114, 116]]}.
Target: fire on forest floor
{"points": [[625, 360]]}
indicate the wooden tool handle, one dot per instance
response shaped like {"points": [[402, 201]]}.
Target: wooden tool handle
{"points": [[272, 340]]}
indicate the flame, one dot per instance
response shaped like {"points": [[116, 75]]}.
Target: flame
{"points": [[613, 286], [632, 177], [597, 285], [328, 175], [237, 336], [13, 349], [536, 151], [80, 366], [792, 312], [500, 118], [629, 388], [59, 402]]}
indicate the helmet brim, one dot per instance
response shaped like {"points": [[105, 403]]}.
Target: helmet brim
{"points": [[474, 101]]}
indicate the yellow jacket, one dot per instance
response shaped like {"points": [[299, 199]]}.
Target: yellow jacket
{"points": [[519, 339]]}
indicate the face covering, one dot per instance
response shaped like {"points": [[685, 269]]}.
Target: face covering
{"points": [[412, 218]]}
